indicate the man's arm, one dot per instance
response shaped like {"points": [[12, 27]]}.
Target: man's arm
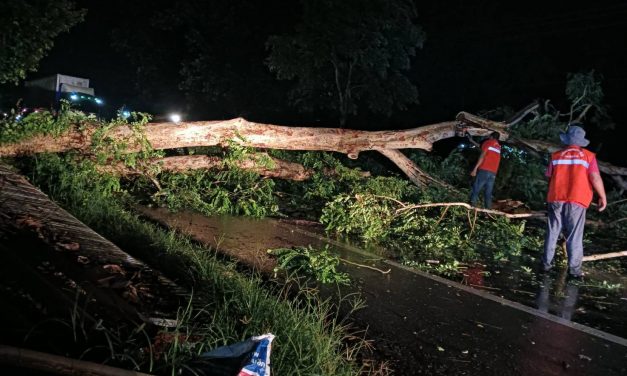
{"points": [[474, 170], [471, 140], [597, 184]]}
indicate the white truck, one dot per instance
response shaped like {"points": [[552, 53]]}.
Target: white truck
{"points": [[47, 92]]}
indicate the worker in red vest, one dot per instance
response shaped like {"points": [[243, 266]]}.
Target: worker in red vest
{"points": [[485, 170], [573, 174]]}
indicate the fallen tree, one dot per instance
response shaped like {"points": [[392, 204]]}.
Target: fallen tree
{"points": [[162, 136]]}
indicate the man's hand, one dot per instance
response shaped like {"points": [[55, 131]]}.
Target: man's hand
{"points": [[602, 203], [473, 173]]}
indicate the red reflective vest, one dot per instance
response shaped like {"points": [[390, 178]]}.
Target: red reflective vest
{"points": [[492, 150], [569, 178]]}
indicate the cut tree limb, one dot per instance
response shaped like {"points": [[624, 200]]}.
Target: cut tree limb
{"points": [[603, 256]]}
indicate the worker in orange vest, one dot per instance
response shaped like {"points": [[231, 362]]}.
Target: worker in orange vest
{"points": [[485, 170], [573, 173]]}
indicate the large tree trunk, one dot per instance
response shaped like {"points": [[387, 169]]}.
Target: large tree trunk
{"points": [[211, 133]]}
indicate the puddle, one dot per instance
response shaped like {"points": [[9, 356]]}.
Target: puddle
{"points": [[600, 301]]}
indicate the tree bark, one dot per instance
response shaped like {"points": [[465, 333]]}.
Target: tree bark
{"points": [[58, 365]]}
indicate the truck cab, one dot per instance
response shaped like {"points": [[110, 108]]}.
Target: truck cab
{"points": [[47, 92]]}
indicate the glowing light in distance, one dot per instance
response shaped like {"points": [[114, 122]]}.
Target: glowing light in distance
{"points": [[175, 118], [126, 114], [74, 97], [98, 100]]}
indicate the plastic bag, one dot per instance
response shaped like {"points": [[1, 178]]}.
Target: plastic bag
{"points": [[246, 358]]}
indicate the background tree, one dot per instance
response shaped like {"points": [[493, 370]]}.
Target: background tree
{"points": [[349, 53], [210, 52], [27, 32]]}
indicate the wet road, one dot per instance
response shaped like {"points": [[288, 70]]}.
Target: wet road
{"points": [[426, 324]]}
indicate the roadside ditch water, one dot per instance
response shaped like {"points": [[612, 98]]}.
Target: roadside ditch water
{"points": [[600, 301]]}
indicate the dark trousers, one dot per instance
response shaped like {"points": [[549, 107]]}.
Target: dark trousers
{"points": [[484, 180]]}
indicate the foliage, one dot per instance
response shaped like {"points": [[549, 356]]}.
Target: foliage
{"points": [[108, 150], [584, 90], [452, 169], [225, 192], [585, 93], [318, 264], [14, 127], [229, 191], [521, 176], [545, 126], [28, 30], [349, 53], [332, 178], [444, 234]]}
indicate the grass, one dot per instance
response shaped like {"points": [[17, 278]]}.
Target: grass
{"points": [[228, 306]]}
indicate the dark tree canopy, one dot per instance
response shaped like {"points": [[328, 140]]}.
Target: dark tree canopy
{"points": [[344, 54], [210, 51], [27, 32]]}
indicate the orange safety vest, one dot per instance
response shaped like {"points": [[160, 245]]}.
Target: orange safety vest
{"points": [[492, 157], [569, 177]]}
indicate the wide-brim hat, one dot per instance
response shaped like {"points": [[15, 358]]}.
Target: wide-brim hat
{"points": [[575, 135]]}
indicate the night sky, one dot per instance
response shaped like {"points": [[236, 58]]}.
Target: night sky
{"points": [[478, 55]]}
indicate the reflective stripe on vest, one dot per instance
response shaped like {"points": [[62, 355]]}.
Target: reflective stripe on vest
{"points": [[494, 149], [570, 162]]}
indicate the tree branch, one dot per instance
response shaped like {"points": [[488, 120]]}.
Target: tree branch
{"points": [[469, 207]]}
